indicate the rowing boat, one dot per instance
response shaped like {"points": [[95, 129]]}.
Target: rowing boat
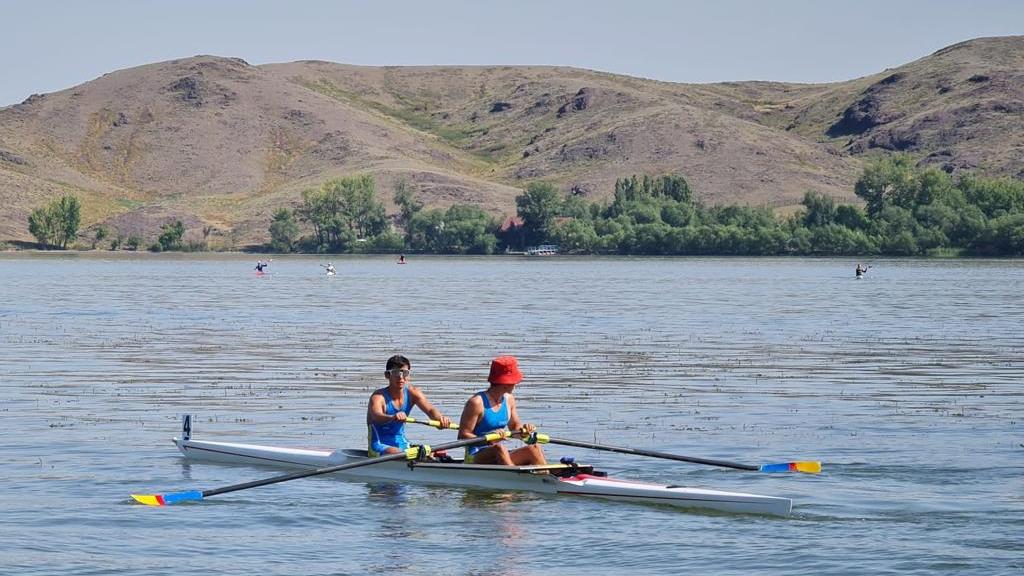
{"points": [[567, 477]]}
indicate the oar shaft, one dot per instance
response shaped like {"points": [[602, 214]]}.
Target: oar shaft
{"points": [[545, 439], [808, 467], [303, 474], [621, 450], [349, 466]]}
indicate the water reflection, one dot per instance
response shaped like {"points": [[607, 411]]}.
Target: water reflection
{"points": [[487, 499], [387, 493]]}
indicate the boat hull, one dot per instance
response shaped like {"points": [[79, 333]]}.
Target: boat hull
{"points": [[550, 479]]}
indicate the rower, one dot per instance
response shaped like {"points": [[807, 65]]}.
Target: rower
{"points": [[495, 409], [389, 407]]}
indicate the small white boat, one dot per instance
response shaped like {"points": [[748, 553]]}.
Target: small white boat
{"points": [[564, 478], [543, 250]]}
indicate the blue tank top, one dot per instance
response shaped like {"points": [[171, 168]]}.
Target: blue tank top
{"points": [[492, 420], [381, 436]]}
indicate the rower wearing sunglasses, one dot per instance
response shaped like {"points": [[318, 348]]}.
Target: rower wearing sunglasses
{"points": [[389, 407]]}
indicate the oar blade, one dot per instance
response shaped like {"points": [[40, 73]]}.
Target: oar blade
{"points": [[807, 467], [168, 499]]}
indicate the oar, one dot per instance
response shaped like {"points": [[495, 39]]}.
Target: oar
{"points": [[808, 467], [434, 423], [410, 454]]}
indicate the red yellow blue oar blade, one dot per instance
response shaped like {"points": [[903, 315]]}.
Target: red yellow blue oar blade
{"points": [[807, 467], [168, 499]]}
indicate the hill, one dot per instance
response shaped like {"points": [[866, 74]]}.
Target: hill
{"points": [[220, 144]]}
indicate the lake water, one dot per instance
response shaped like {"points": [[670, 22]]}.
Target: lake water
{"points": [[906, 385]]}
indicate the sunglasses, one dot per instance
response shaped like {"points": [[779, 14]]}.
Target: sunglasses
{"points": [[398, 372]]}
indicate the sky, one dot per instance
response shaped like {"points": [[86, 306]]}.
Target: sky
{"points": [[50, 45]]}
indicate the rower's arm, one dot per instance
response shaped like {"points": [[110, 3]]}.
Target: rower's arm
{"points": [[420, 399], [515, 425], [471, 414], [375, 410]]}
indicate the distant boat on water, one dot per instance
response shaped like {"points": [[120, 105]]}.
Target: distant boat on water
{"points": [[542, 250]]}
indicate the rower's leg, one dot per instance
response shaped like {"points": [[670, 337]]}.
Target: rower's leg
{"points": [[496, 454], [528, 456]]}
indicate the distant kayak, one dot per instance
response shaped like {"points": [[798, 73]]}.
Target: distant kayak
{"points": [[331, 273]]}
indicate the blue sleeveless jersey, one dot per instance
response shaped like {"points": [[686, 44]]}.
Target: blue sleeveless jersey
{"points": [[491, 421], [381, 436]]}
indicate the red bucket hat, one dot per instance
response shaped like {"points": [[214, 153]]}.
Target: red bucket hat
{"points": [[505, 370]]}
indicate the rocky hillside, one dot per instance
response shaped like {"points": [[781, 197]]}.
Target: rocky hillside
{"points": [[220, 144]]}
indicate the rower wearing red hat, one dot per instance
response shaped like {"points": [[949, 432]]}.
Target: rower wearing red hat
{"points": [[495, 409]]}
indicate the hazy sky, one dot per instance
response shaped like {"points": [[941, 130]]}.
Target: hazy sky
{"points": [[49, 45]]}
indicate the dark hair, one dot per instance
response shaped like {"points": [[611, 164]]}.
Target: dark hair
{"points": [[398, 361]]}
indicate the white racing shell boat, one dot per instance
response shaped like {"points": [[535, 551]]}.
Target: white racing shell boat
{"points": [[563, 478]]}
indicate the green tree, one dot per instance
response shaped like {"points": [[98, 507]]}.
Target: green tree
{"points": [[538, 207], [101, 234], [69, 217], [575, 206], [819, 209], [675, 188], [425, 231], [839, 240], [388, 241], [994, 197], [576, 235], [171, 235], [56, 224], [408, 206], [469, 230], [889, 181], [43, 225], [341, 211], [901, 244], [677, 214], [852, 217], [284, 231], [1006, 235]]}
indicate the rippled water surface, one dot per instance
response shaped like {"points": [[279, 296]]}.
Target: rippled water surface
{"points": [[907, 385]]}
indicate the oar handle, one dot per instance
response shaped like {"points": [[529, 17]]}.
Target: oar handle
{"points": [[434, 423]]}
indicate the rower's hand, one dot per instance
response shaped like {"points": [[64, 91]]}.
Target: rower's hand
{"points": [[400, 417], [443, 423], [526, 429]]}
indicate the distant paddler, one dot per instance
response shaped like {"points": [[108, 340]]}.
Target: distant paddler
{"points": [[260, 265], [861, 270], [329, 268]]}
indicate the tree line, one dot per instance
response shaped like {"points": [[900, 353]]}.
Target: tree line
{"points": [[907, 211]]}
